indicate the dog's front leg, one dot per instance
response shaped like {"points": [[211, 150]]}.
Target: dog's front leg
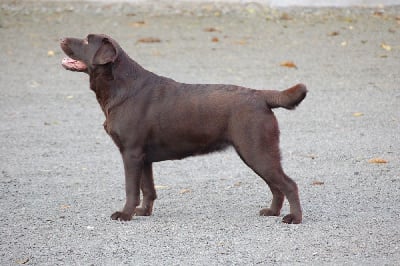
{"points": [[133, 165], [148, 190]]}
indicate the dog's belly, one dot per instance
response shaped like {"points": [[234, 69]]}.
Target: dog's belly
{"points": [[175, 151]]}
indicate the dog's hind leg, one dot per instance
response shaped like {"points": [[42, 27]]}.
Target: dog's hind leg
{"points": [[257, 143], [277, 201]]}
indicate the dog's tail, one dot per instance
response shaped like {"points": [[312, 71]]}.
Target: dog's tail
{"points": [[288, 98]]}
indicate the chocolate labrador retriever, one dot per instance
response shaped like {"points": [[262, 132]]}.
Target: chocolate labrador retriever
{"points": [[152, 118]]}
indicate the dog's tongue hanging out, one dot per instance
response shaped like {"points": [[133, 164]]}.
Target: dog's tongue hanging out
{"points": [[73, 65]]}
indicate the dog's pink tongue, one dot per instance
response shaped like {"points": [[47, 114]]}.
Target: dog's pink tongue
{"points": [[73, 65]]}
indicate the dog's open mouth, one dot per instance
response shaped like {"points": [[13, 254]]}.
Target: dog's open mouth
{"points": [[73, 65]]}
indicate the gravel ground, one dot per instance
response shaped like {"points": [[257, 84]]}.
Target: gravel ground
{"points": [[62, 177]]}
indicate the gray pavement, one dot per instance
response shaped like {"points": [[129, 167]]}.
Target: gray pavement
{"points": [[61, 176]]}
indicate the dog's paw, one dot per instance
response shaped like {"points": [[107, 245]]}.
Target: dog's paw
{"points": [[268, 212], [292, 219], [121, 216], [143, 212]]}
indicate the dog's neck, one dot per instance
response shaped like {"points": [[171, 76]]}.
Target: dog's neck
{"points": [[109, 81]]}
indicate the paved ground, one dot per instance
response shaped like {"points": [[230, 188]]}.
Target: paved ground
{"points": [[61, 176]]}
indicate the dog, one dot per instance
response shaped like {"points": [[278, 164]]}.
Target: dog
{"points": [[152, 118]]}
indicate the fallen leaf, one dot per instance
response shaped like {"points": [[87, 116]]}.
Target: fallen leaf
{"points": [[386, 46], [211, 29], [240, 42], [215, 39], [357, 114], [156, 53], [348, 20], [138, 24], [377, 160], [149, 40], [69, 97], [22, 261], [50, 53], [317, 183], [65, 207], [161, 187], [378, 13], [34, 84], [289, 64], [344, 43], [334, 33], [311, 156], [285, 16], [251, 10], [237, 184], [185, 190]]}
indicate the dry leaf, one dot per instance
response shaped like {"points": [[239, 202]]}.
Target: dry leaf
{"points": [[217, 14], [251, 10], [185, 190], [34, 84], [50, 53], [161, 187], [149, 40], [348, 20], [69, 97], [240, 42], [317, 183], [378, 13], [357, 114], [211, 29], [285, 16], [215, 39], [65, 207], [156, 53], [377, 160], [334, 33], [344, 43], [22, 261], [385, 46], [289, 64], [138, 24], [237, 184]]}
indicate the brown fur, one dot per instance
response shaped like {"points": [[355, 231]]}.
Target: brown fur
{"points": [[153, 118]]}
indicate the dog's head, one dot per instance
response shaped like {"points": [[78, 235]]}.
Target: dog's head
{"points": [[86, 54]]}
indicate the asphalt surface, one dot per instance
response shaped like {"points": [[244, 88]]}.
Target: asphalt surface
{"points": [[62, 177]]}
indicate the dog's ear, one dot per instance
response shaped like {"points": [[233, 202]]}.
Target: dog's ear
{"points": [[107, 53]]}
